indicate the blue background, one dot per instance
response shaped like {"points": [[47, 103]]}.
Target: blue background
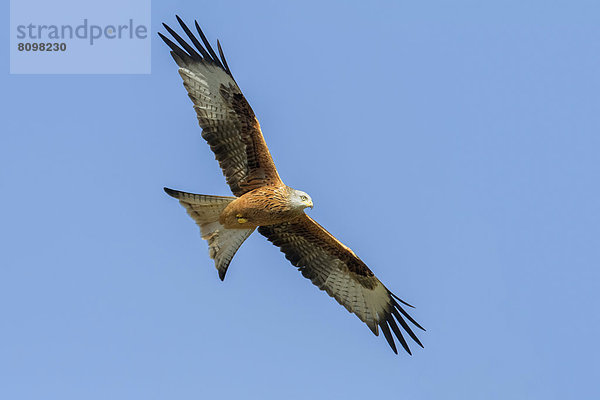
{"points": [[452, 144]]}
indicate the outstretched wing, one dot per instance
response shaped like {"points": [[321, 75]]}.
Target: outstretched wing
{"points": [[334, 268], [227, 120]]}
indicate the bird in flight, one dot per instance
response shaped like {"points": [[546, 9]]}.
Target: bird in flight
{"points": [[262, 201]]}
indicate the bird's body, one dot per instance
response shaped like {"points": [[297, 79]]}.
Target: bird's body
{"points": [[267, 205], [262, 201]]}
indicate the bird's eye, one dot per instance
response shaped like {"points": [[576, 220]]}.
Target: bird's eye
{"points": [[303, 198]]}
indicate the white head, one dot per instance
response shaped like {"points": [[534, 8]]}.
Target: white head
{"points": [[300, 199]]}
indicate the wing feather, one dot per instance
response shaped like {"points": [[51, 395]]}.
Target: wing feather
{"points": [[334, 268], [227, 120]]}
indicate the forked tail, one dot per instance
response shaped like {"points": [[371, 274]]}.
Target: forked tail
{"points": [[205, 210]]}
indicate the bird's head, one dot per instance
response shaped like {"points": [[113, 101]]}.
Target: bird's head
{"points": [[301, 199]]}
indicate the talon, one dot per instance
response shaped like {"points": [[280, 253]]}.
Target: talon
{"points": [[240, 219]]}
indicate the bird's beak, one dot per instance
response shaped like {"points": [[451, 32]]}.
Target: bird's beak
{"points": [[311, 205]]}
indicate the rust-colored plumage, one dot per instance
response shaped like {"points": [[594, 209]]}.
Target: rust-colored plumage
{"points": [[263, 201]]}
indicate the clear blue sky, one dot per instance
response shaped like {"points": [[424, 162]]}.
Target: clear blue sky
{"points": [[453, 145]]}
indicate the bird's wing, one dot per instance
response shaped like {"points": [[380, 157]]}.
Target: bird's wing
{"points": [[227, 120], [334, 268]]}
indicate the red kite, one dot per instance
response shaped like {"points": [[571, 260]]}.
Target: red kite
{"points": [[263, 201]]}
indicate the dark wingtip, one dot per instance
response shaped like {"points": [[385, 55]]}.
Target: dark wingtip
{"points": [[372, 327], [398, 334], [401, 301], [184, 45], [163, 37], [222, 273], [223, 60], [171, 192], [175, 50], [405, 325], [185, 51], [388, 335], [213, 55], [411, 319]]}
